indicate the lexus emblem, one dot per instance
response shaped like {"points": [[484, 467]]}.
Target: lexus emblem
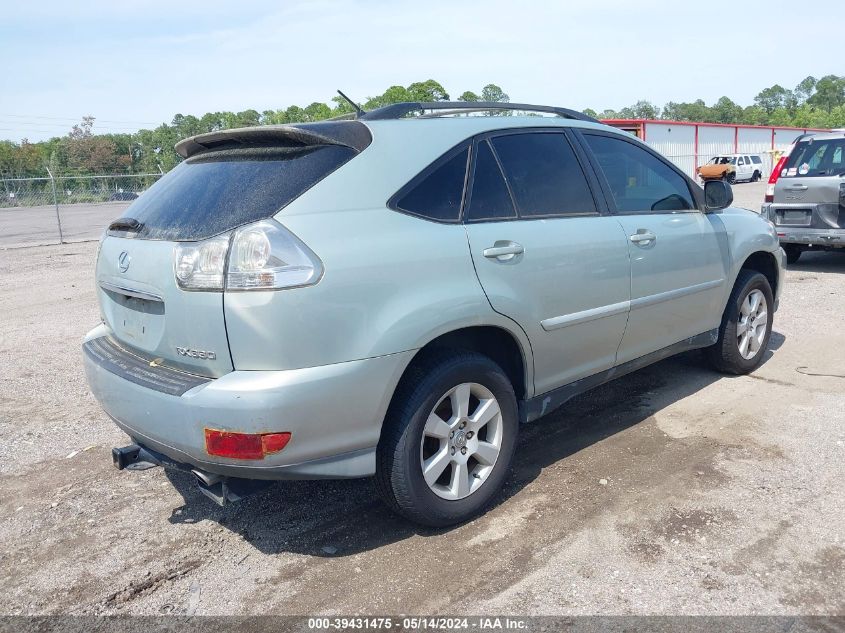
{"points": [[123, 261]]}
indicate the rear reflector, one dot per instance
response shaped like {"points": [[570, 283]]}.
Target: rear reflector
{"points": [[244, 445]]}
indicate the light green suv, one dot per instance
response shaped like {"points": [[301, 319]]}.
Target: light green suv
{"points": [[393, 295]]}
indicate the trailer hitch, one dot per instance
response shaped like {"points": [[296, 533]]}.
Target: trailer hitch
{"points": [[220, 489]]}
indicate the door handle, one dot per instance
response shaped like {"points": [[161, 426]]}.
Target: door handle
{"points": [[644, 237], [503, 250]]}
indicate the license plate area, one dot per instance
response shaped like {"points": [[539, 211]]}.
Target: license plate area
{"points": [[794, 217], [136, 320]]}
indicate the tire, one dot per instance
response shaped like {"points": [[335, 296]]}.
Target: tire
{"points": [[730, 178], [793, 252], [432, 387], [728, 354], [756, 177]]}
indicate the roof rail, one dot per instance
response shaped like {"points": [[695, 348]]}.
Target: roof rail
{"points": [[398, 110]]}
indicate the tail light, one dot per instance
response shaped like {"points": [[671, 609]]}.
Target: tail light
{"points": [[260, 256], [770, 188]]}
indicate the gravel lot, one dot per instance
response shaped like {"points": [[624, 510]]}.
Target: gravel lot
{"points": [[673, 490]]}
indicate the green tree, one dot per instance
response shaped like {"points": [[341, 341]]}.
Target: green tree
{"points": [[492, 92], [770, 99], [429, 90], [830, 93], [726, 111], [469, 95], [805, 89]]}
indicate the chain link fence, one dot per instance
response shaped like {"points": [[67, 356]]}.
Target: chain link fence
{"points": [[59, 209]]}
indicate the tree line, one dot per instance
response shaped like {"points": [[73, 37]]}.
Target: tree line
{"points": [[812, 103]]}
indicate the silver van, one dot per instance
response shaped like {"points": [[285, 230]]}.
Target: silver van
{"points": [[393, 295]]}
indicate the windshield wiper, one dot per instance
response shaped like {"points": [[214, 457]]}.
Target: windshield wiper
{"points": [[129, 225]]}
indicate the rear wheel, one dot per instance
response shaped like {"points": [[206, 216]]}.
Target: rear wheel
{"points": [[448, 439], [746, 326], [793, 252], [756, 177]]}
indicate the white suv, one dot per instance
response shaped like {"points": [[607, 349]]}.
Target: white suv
{"points": [[748, 167]]}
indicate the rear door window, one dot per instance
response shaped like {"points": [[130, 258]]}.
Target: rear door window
{"points": [[639, 181], [489, 198], [544, 175], [217, 191], [437, 193], [815, 158]]}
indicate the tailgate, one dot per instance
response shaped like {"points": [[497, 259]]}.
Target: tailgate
{"points": [[810, 191], [146, 310]]}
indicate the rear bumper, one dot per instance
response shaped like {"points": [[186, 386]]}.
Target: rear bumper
{"points": [[334, 414], [804, 235]]}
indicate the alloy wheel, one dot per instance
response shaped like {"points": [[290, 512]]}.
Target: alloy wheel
{"points": [[461, 441], [751, 327]]}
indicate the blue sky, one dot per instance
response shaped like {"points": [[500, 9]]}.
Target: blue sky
{"points": [[136, 63]]}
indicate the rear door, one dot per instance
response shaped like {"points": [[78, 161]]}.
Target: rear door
{"points": [[811, 189], [677, 273], [545, 254], [148, 314], [198, 202]]}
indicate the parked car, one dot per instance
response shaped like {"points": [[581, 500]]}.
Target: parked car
{"points": [[733, 168], [805, 198], [392, 296]]}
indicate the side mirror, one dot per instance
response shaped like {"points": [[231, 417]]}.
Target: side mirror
{"points": [[717, 195]]}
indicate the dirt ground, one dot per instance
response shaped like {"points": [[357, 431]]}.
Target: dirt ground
{"points": [[671, 491]]}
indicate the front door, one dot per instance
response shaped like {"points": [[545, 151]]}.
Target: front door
{"points": [[545, 256], [677, 272]]}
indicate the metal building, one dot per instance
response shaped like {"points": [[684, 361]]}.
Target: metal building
{"points": [[689, 144]]}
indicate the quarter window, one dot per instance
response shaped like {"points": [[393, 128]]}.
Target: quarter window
{"points": [[639, 180], [489, 198], [438, 194], [544, 175]]}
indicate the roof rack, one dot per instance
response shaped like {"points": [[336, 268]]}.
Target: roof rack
{"points": [[445, 108]]}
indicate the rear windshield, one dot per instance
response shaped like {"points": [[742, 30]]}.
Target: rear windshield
{"points": [[212, 193], [816, 158]]}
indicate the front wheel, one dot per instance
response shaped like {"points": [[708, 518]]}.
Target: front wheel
{"points": [[746, 326], [448, 438]]}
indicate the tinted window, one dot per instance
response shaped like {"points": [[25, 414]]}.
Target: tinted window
{"points": [[756, 160], [639, 180], [489, 198], [816, 158], [438, 195], [215, 192], [544, 174]]}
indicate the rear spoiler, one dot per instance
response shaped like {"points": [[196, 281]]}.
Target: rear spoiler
{"points": [[352, 134]]}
